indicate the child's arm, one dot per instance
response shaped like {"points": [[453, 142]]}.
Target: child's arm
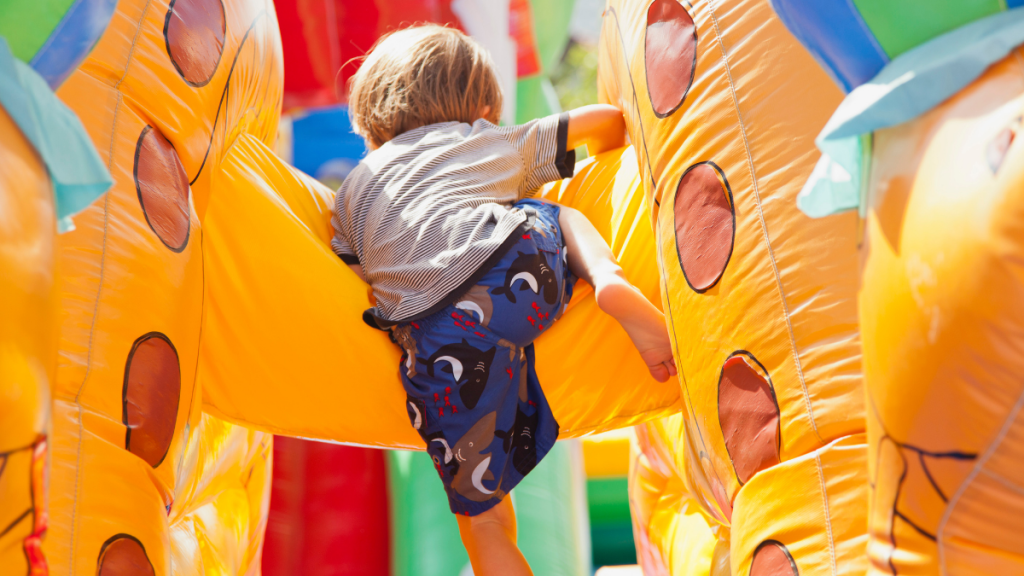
{"points": [[600, 126]]}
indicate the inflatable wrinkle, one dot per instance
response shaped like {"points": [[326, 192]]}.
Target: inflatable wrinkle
{"points": [[674, 533], [759, 298], [940, 246], [201, 294], [142, 474], [944, 451], [301, 332]]}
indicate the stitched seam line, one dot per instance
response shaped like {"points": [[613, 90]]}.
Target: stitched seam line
{"points": [[99, 293], [828, 515], [92, 335], [940, 533], [764, 227], [1004, 481]]}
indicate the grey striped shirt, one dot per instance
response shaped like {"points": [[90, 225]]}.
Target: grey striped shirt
{"points": [[429, 208]]}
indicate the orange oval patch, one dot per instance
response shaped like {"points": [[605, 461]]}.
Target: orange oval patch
{"points": [[124, 555], [152, 387], [771, 558], [162, 186], [670, 55], [705, 225], [749, 416], [194, 34]]}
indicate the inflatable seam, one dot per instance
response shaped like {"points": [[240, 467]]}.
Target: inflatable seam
{"points": [[92, 334], [978, 468], [99, 291], [764, 227], [636, 104], [688, 411], [828, 515]]}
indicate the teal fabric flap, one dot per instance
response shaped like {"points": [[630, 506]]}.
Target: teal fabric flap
{"points": [[76, 170], [837, 181], [910, 85]]}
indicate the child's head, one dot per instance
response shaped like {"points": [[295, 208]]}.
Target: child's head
{"points": [[419, 76]]}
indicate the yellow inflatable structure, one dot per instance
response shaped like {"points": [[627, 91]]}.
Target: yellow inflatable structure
{"points": [[925, 145], [143, 482], [765, 470], [202, 308], [943, 334], [28, 346], [943, 329], [284, 312]]}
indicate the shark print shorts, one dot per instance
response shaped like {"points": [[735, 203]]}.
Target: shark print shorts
{"points": [[468, 370]]}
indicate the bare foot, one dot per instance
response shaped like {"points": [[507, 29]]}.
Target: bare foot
{"points": [[651, 340], [643, 323]]}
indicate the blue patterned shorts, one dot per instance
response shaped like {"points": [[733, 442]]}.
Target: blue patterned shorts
{"points": [[468, 370]]}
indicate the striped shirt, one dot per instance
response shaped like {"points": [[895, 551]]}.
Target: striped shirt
{"points": [[426, 211]]}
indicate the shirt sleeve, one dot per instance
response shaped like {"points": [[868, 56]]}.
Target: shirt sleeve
{"points": [[339, 243], [542, 143]]}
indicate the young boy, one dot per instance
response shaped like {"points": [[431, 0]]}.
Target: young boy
{"points": [[467, 270]]}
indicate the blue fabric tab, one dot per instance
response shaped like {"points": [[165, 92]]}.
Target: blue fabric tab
{"points": [[72, 39], [76, 170], [910, 85], [835, 34]]}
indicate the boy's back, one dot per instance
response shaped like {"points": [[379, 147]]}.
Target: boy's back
{"points": [[427, 209]]}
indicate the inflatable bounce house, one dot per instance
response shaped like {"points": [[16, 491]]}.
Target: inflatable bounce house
{"points": [[339, 493], [768, 469], [924, 149], [200, 307], [764, 471], [841, 275]]}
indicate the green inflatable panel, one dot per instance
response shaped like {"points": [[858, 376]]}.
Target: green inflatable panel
{"points": [[424, 535], [611, 527], [551, 512], [899, 26], [26, 24], [551, 30], [535, 98]]}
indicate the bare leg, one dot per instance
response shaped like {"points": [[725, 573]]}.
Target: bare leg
{"points": [[591, 259], [490, 540]]}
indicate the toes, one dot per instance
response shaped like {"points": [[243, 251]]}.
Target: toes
{"points": [[660, 372]]}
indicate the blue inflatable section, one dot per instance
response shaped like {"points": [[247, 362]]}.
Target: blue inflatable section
{"points": [[72, 39], [324, 146], [1014, 3], [835, 33]]}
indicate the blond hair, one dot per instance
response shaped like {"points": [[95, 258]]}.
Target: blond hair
{"points": [[419, 76]]}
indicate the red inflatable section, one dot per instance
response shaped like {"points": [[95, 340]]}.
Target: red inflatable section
{"points": [[320, 37], [328, 511]]}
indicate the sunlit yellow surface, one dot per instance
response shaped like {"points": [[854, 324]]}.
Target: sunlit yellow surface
{"points": [[786, 298]]}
